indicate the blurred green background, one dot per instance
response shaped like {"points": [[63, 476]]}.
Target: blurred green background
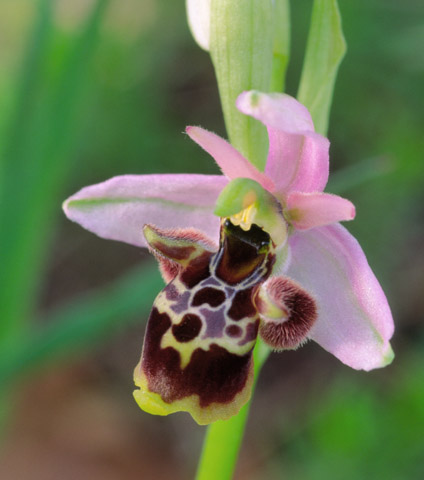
{"points": [[92, 89]]}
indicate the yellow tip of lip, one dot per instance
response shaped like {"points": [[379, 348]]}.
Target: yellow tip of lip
{"points": [[152, 403]]}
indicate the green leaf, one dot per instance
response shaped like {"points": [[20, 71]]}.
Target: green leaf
{"points": [[241, 47], [325, 50], [281, 49]]}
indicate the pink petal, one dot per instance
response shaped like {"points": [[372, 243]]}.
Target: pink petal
{"points": [[297, 156], [119, 208], [276, 110], [354, 319], [230, 161], [287, 313], [309, 210]]}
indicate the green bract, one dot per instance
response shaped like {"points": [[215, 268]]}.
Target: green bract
{"points": [[241, 47], [325, 50]]}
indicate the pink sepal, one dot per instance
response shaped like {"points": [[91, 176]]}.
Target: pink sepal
{"points": [[119, 208], [354, 319]]}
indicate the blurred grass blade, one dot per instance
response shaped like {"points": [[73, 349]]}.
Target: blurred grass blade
{"points": [[13, 165], [325, 50], [27, 86], [35, 169], [358, 174], [84, 322]]}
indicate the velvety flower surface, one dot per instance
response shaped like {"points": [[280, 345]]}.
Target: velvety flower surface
{"points": [[197, 353], [197, 357]]}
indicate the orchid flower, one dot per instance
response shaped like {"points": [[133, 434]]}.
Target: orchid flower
{"points": [[285, 269]]}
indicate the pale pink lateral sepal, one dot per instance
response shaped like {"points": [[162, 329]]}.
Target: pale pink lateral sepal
{"points": [[230, 161], [298, 157], [119, 208], [354, 319], [310, 210]]}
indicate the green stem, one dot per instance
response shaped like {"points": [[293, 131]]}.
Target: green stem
{"points": [[223, 438]]}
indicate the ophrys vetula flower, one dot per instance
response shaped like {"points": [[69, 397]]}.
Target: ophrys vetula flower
{"points": [[318, 286]]}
